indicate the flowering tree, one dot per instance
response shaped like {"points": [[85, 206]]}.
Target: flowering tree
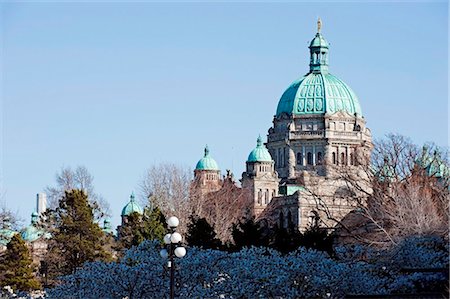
{"points": [[261, 273]]}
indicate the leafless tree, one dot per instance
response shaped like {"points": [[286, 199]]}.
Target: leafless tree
{"points": [[224, 207], [166, 186], [9, 219], [398, 194], [80, 178]]}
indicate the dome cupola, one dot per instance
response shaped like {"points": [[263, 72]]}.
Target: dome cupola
{"points": [[318, 50], [318, 92], [132, 207], [260, 153], [207, 162], [107, 227]]}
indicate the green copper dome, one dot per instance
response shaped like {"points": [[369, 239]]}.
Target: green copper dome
{"points": [[318, 92], [107, 227], [260, 153], [6, 233], [132, 207], [437, 167], [31, 233], [207, 163]]}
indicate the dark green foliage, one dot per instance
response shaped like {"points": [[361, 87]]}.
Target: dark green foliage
{"points": [[285, 239], [76, 239], [16, 268], [317, 238], [201, 234], [247, 233], [149, 226]]}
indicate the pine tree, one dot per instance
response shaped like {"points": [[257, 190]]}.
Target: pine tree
{"points": [[201, 234], [286, 239], [149, 226], [16, 268], [247, 233], [317, 238], [76, 239]]}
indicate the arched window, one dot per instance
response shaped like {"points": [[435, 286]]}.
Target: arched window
{"points": [[319, 158], [259, 196], [334, 158], [309, 157], [352, 159], [343, 159], [300, 159], [266, 197]]}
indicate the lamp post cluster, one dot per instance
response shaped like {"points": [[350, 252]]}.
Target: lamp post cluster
{"points": [[173, 248]]}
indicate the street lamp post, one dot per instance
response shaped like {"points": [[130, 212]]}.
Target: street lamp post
{"points": [[172, 241]]}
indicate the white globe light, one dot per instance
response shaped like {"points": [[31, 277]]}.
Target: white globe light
{"points": [[173, 221], [163, 253], [180, 251], [175, 237], [167, 238]]}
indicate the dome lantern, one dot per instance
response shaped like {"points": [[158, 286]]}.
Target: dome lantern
{"points": [[318, 50]]}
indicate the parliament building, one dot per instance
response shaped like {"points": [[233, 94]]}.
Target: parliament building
{"points": [[318, 130]]}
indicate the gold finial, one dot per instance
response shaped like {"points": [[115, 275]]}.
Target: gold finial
{"points": [[319, 25]]}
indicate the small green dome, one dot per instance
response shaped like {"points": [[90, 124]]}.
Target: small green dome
{"points": [[437, 167], [131, 207], [260, 153], [107, 228], [318, 41], [31, 233], [207, 162], [6, 234]]}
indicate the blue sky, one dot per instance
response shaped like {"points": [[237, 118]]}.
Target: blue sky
{"points": [[118, 87]]}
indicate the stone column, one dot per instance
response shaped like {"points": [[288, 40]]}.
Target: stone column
{"points": [[303, 156], [314, 155], [291, 162]]}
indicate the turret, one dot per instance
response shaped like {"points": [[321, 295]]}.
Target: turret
{"points": [[207, 174], [260, 177]]}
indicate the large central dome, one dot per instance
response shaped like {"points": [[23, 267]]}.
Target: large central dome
{"points": [[318, 92]]}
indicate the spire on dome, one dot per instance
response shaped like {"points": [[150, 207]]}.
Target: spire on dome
{"points": [[259, 141], [132, 196], [206, 151], [318, 49]]}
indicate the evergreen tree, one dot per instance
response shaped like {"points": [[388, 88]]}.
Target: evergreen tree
{"points": [[76, 239], [285, 239], [247, 233], [201, 234], [317, 238], [16, 268], [149, 226]]}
